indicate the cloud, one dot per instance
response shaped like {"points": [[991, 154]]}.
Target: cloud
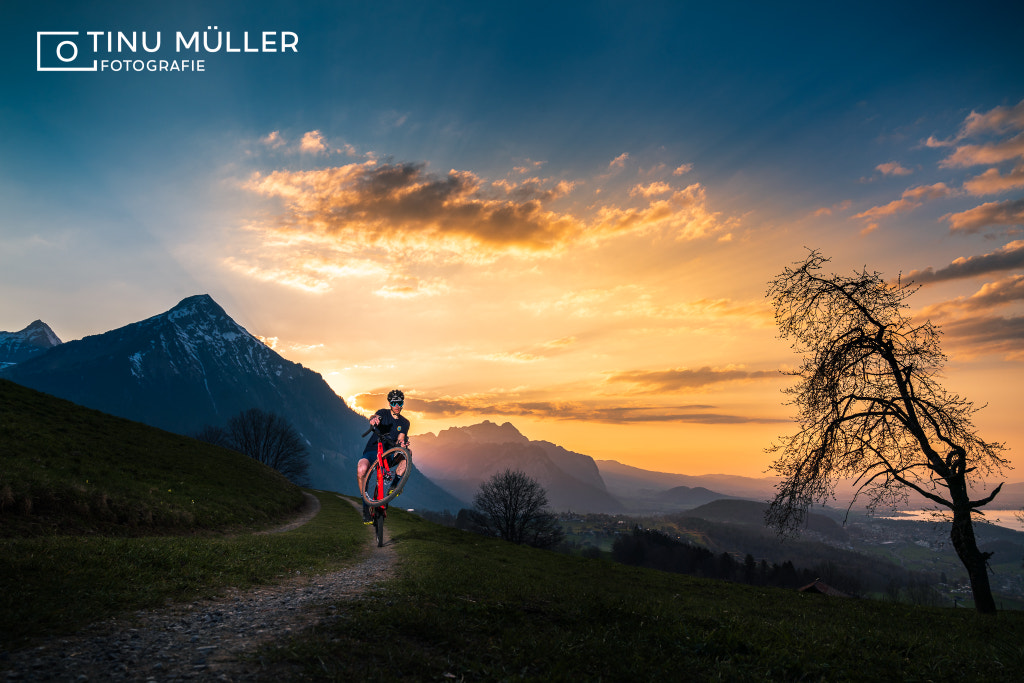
{"points": [[1008, 290], [1009, 257], [537, 352], [892, 208], [892, 168], [683, 169], [999, 120], [313, 143], [828, 210], [979, 335], [1010, 212], [407, 287], [529, 166], [273, 140], [987, 154], [992, 182], [403, 213], [911, 199], [651, 190], [490, 405], [925, 192], [681, 379], [619, 161]]}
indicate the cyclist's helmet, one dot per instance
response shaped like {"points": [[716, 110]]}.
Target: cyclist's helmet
{"points": [[396, 395]]}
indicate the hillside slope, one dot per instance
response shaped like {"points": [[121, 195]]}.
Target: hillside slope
{"points": [[69, 469]]}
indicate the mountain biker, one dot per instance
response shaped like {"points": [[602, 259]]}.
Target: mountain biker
{"points": [[395, 428]]}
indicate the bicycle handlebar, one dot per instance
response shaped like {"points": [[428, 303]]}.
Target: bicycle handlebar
{"points": [[384, 438]]}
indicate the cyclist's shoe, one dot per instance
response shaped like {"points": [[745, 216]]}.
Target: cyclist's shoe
{"points": [[366, 517]]}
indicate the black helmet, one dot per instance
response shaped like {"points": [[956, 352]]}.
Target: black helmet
{"points": [[395, 395]]}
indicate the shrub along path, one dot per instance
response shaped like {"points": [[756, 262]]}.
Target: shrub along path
{"points": [[204, 640]]}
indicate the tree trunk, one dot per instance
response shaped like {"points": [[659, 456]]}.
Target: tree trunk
{"points": [[975, 561]]}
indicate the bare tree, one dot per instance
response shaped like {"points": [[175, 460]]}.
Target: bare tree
{"points": [[513, 505], [870, 408], [270, 439], [218, 436]]}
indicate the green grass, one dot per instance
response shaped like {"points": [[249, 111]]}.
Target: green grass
{"points": [[68, 469], [56, 584], [465, 607]]}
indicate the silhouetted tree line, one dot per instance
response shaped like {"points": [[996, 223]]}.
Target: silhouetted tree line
{"points": [[656, 550], [546, 533]]}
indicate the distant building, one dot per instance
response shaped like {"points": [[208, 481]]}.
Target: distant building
{"points": [[823, 588]]}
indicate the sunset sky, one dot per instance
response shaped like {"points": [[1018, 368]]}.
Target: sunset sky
{"points": [[562, 215]]}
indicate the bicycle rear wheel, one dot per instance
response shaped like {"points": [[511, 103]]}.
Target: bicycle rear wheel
{"points": [[372, 499]]}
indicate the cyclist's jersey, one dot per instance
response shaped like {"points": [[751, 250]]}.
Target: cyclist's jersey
{"points": [[391, 426]]}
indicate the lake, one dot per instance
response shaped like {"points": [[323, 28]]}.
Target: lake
{"points": [[1004, 518]]}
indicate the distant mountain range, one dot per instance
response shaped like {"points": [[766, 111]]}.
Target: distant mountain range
{"points": [[461, 458], [194, 366]]}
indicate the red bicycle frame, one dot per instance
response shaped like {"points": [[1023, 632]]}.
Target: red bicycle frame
{"points": [[382, 464]]}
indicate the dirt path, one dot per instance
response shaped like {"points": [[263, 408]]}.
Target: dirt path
{"points": [[204, 640]]}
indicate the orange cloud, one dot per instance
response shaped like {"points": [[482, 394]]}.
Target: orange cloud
{"points": [[892, 208], [1010, 212], [313, 143], [1009, 257], [651, 190], [273, 140], [893, 168], [370, 209], [992, 182], [999, 120], [988, 154], [619, 161], [658, 381], [910, 200], [492, 405]]}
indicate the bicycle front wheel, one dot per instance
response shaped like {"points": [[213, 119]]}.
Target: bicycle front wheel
{"points": [[374, 497]]}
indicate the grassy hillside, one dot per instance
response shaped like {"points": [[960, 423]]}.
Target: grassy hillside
{"points": [[68, 469], [464, 607]]}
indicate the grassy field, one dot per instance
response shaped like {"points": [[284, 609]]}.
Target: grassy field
{"points": [[469, 608]]}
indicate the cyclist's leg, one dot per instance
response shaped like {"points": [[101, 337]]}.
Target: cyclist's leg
{"points": [[361, 468], [398, 465]]}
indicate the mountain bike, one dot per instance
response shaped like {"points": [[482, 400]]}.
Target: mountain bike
{"points": [[382, 482]]}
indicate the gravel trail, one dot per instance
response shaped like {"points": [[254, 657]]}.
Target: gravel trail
{"points": [[203, 640]]}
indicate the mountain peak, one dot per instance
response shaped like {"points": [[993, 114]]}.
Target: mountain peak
{"points": [[487, 432], [31, 341], [202, 304]]}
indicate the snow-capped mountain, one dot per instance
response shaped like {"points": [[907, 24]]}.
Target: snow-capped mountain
{"points": [[194, 366], [31, 341]]}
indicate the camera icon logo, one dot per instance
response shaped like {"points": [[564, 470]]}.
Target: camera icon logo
{"points": [[62, 51]]}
